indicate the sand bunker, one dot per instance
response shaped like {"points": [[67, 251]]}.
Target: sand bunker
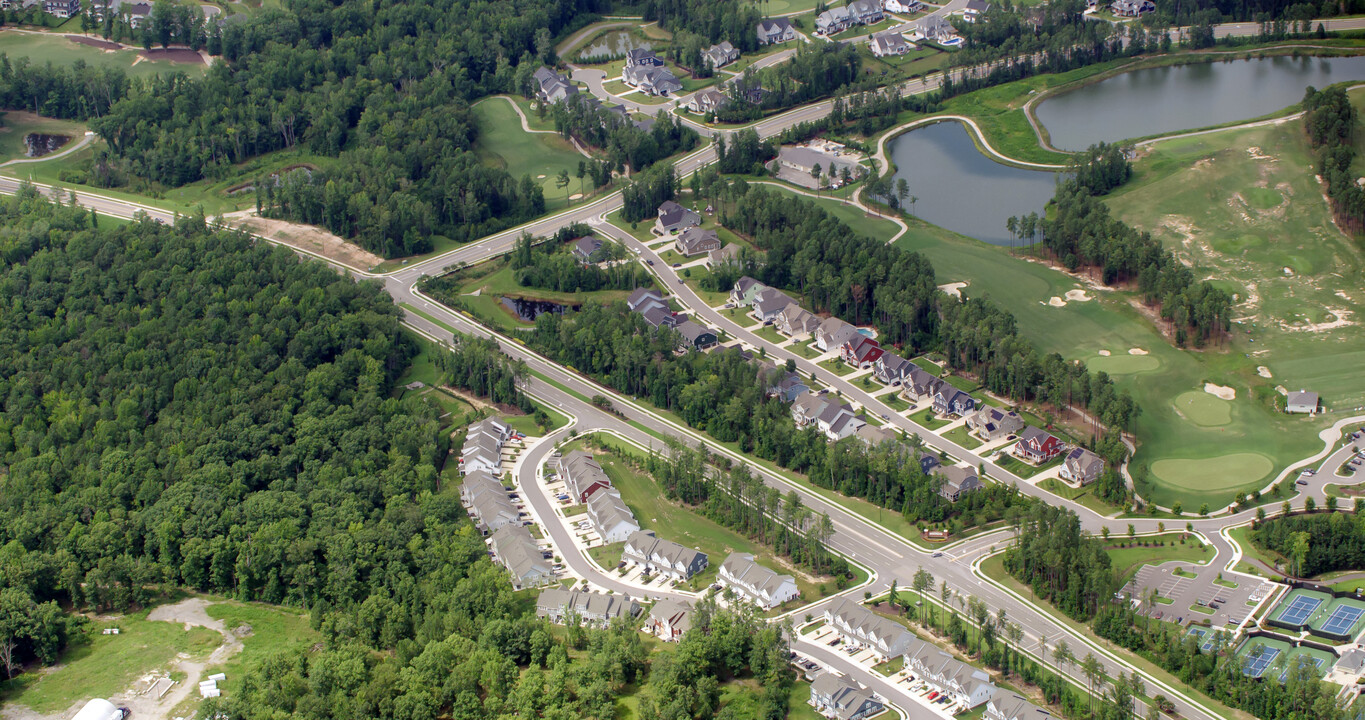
{"points": [[1136, 351], [1341, 318], [1056, 302], [1281, 390], [954, 289], [576, 196], [1263, 371], [1105, 353], [1077, 296], [1221, 391], [1256, 154]]}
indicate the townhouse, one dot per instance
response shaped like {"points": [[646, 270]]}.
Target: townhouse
{"points": [[961, 682], [611, 517], [489, 506], [755, 583], [670, 619], [593, 609], [663, 557], [515, 550], [857, 625], [839, 698], [483, 443], [582, 476]]}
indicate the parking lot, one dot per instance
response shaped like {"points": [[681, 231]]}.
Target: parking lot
{"points": [[1226, 605], [903, 679]]}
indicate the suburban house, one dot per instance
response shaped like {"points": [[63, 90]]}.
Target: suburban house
{"points": [[588, 250], [1302, 401], [833, 20], [833, 418], [961, 682], [902, 6], [951, 401], [742, 294], [769, 303], [515, 549], [610, 517], [1037, 446], [1132, 8], [696, 337], [755, 583], [594, 609], [920, 385], [974, 10], [706, 100], [839, 698], [674, 217], [662, 556], [721, 54], [928, 463], [488, 503], [786, 385], [1008, 705], [865, 12], [695, 241], [874, 436], [651, 79], [860, 626], [891, 369], [775, 30], [933, 27], [957, 482], [992, 423], [669, 619], [795, 321], [551, 87], [833, 333], [482, 448], [722, 256], [659, 317], [582, 476], [643, 57], [860, 351], [62, 8], [644, 298], [889, 43], [803, 161], [137, 14], [1082, 466]]}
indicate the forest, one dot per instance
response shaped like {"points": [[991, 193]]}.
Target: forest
{"points": [[1315, 543], [1330, 122], [1060, 562], [622, 143], [551, 265], [724, 395]]}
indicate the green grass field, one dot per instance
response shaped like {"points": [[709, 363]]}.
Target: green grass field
{"points": [[273, 629], [878, 228], [1127, 560], [57, 49], [1082, 496], [503, 144], [105, 665]]}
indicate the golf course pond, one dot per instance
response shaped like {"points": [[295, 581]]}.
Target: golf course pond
{"points": [[1161, 100]]}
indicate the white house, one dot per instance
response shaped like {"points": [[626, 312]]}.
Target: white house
{"points": [[1303, 401], [755, 583]]}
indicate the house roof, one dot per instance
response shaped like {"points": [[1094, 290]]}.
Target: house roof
{"points": [[977, 6], [725, 254], [642, 295], [671, 214], [586, 604], [518, 552], [1011, 706], [709, 96], [774, 26], [1032, 434], [950, 395], [1303, 397], [675, 613], [637, 54], [957, 478], [807, 158], [860, 8], [580, 472], [771, 300], [586, 246], [861, 346], [835, 332], [751, 575], [692, 332], [694, 238], [607, 511], [874, 436], [654, 75], [656, 316], [1087, 463], [648, 544], [893, 364], [889, 41]]}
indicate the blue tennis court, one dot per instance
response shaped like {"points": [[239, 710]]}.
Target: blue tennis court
{"points": [[1342, 619], [1255, 663], [1316, 662], [1298, 611]]}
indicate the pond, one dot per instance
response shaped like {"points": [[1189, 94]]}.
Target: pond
{"points": [[958, 188], [40, 144], [528, 310], [612, 45], [1163, 100]]}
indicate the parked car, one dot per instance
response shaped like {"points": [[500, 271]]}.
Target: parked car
{"points": [[938, 554], [677, 265], [1302, 481]]}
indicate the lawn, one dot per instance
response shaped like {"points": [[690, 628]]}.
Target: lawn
{"points": [[927, 419], [57, 49], [805, 350], [1127, 560], [15, 125], [770, 333], [894, 401], [878, 228], [608, 556], [1265, 560], [961, 436], [1025, 470], [836, 366], [682, 525], [273, 630], [1082, 496], [503, 144]]}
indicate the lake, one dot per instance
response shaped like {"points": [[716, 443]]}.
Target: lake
{"points": [[962, 190], [612, 45], [1164, 100]]}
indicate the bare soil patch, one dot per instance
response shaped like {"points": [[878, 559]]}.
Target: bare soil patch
{"points": [[94, 42], [177, 55], [314, 240]]}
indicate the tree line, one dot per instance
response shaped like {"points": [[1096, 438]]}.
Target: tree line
{"points": [[622, 142], [551, 265], [1080, 232], [1330, 123], [1315, 543], [724, 395]]}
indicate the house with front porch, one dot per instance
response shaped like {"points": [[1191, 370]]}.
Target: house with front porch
{"points": [[957, 482], [742, 294], [663, 557], [775, 30], [860, 351], [919, 384], [951, 401], [833, 333], [769, 303], [755, 583], [839, 698], [1037, 446], [991, 423], [593, 609], [1082, 467]]}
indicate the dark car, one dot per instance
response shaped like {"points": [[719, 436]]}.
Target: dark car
{"points": [[1303, 482], [650, 262]]}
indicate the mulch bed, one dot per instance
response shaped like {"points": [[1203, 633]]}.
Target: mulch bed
{"points": [[179, 55], [94, 42]]}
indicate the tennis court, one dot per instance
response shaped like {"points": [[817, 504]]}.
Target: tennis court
{"points": [[1342, 620], [1206, 637], [1295, 660], [1299, 608], [1256, 662]]}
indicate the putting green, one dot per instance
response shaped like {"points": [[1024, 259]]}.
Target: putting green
{"points": [[1213, 474], [1203, 409], [1263, 198], [1123, 364]]}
